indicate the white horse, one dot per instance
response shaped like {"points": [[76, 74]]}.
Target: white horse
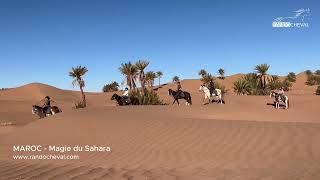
{"points": [[217, 94], [279, 99]]}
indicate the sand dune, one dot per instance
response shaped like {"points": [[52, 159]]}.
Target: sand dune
{"points": [[243, 139], [164, 141]]}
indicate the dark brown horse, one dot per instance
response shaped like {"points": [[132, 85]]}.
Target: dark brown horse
{"points": [[180, 95], [40, 111]]}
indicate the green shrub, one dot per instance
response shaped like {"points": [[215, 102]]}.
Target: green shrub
{"points": [[111, 87], [241, 87], [286, 84], [317, 72], [221, 87], [149, 98], [79, 105], [291, 77], [275, 84], [308, 72], [247, 85], [313, 80], [205, 79], [255, 89], [318, 91]]}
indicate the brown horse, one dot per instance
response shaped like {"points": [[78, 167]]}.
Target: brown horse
{"points": [[182, 95]]}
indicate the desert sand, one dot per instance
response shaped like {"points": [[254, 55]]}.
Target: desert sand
{"points": [[244, 139]]}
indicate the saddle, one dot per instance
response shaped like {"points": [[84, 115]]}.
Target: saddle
{"points": [[280, 97], [214, 93], [180, 94]]}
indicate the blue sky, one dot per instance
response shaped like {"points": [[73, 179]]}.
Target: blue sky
{"points": [[40, 40]]}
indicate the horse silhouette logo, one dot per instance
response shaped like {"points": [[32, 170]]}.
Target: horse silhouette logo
{"points": [[298, 20]]}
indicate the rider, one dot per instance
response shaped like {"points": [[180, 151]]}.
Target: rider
{"points": [[179, 91], [280, 93], [126, 92], [125, 95], [211, 87], [47, 104]]}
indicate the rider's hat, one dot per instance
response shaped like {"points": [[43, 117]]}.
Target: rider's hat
{"points": [[47, 97]]}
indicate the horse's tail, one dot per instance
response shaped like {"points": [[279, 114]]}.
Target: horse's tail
{"points": [[288, 102]]}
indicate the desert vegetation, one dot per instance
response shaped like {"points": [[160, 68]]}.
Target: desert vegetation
{"points": [[77, 74], [261, 83], [313, 78], [291, 77], [150, 77], [150, 97], [175, 79], [221, 73], [111, 87], [159, 76], [318, 90], [136, 72], [207, 77]]}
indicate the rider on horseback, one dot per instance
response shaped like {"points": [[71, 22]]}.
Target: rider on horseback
{"points": [[125, 96], [280, 93], [47, 104], [126, 92], [211, 87], [179, 91]]}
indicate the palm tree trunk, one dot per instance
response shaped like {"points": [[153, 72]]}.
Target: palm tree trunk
{"points": [[143, 85], [143, 82], [83, 96], [129, 82], [159, 82]]}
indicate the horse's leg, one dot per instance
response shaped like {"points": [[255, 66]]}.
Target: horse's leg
{"points": [[187, 101], [178, 102], [174, 101]]}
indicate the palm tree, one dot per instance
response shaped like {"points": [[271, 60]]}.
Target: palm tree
{"points": [[221, 73], [141, 66], [202, 72], [263, 77], [130, 72], [77, 74], [150, 76], [175, 79], [159, 75]]}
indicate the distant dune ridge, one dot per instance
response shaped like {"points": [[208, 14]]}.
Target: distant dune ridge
{"points": [[243, 139]]}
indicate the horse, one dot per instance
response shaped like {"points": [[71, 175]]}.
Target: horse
{"points": [[40, 111], [217, 94], [279, 99], [122, 101], [182, 95]]}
